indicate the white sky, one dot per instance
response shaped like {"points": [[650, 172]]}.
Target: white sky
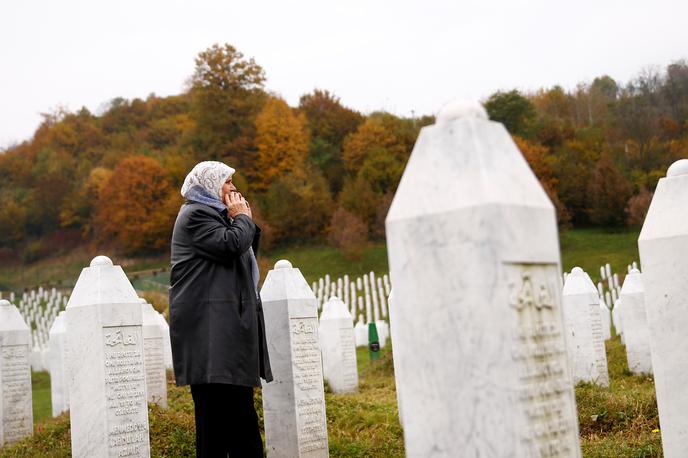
{"points": [[397, 55]]}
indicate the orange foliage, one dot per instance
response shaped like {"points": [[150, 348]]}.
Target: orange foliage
{"points": [[137, 207], [282, 142]]}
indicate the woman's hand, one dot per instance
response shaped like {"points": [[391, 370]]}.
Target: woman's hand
{"points": [[237, 205]]}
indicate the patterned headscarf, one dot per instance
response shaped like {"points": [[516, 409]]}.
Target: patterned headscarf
{"points": [[209, 175]]}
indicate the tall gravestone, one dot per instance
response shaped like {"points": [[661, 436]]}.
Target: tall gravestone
{"points": [[154, 358], [107, 380], [581, 303], [338, 347], [59, 388], [474, 253], [663, 246], [16, 409], [294, 402], [636, 332]]}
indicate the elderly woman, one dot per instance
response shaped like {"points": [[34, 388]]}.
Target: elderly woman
{"points": [[216, 317]]}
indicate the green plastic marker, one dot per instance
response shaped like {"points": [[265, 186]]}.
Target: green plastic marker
{"points": [[373, 342]]}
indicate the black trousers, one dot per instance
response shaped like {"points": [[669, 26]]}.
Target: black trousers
{"points": [[226, 421]]}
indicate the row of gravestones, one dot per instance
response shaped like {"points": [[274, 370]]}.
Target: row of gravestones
{"points": [[365, 297], [588, 320], [107, 350], [474, 256]]}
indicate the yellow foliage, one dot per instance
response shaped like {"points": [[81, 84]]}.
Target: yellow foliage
{"points": [[282, 143]]}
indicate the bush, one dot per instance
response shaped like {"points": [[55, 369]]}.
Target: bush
{"points": [[637, 208], [349, 233]]}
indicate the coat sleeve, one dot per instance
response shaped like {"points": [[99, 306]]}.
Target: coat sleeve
{"points": [[214, 240]]}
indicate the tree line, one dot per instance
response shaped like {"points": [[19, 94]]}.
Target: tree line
{"points": [[319, 171]]}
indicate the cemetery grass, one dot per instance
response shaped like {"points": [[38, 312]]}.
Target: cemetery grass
{"points": [[616, 422]]}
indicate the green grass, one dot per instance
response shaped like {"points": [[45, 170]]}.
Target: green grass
{"points": [[591, 248], [42, 404], [317, 261]]}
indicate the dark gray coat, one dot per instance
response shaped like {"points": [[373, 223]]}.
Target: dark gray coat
{"points": [[216, 317]]}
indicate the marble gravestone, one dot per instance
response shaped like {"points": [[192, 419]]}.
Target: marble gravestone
{"points": [[361, 332], [154, 359], [634, 321], [338, 347], [167, 345], [294, 402], [107, 378], [663, 246], [16, 408], [474, 253], [605, 315], [59, 388], [585, 338]]}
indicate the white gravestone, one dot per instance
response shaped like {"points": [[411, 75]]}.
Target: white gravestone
{"points": [[16, 410], [585, 338], [636, 332], [338, 347], [474, 253], [107, 380], [361, 332], [294, 402], [59, 388], [606, 319], [154, 357], [663, 246], [167, 349]]}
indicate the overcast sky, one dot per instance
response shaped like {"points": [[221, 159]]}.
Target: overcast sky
{"points": [[399, 56]]}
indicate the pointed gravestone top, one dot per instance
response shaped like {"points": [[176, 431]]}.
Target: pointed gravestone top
{"points": [[633, 283], [679, 167], [102, 283], [665, 217], [285, 281], [335, 309], [10, 318], [283, 264], [460, 109]]}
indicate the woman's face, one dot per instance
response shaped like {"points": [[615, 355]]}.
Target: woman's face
{"points": [[228, 187]]}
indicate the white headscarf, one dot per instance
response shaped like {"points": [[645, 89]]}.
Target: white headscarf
{"points": [[210, 175]]}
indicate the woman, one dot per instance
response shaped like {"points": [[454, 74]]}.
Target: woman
{"points": [[216, 317]]}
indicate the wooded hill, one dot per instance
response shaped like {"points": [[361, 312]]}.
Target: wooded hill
{"points": [[319, 171]]}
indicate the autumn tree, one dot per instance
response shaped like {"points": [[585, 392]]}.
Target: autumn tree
{"points": [[542, 162], [637, 207], [512, 109], [608, 193], [298, 206], [281, 141], [349, 233], [329, 123], [137, 207], [227, 93]]}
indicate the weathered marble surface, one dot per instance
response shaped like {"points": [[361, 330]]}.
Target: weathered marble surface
{"points": [[154, 356], [663, 246], [107, 379], [338, 346], [294, 402], [634, 322], [584, 334], [474, 255], [16, 408], [59, 388]]}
